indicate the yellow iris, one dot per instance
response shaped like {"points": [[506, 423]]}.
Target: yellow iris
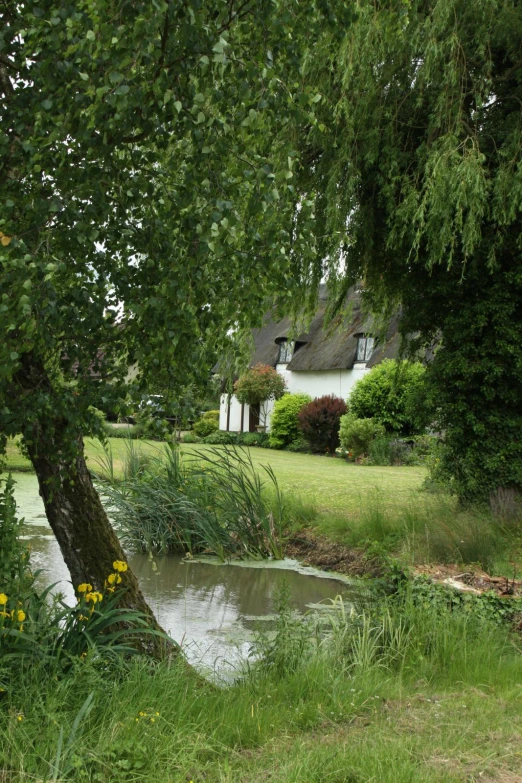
{"points": [[3, 599], [94, 597], [120, 565], [84, 588], [20, 616]]}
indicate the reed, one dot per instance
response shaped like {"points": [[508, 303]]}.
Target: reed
{"points": [[215, 502]]}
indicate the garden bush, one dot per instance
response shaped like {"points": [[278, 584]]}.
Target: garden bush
{"points": [[356, 435], [191, 437], [205, 427], [212, 415], [319, 423], [221, 438], [254, 439], [300, 445], [389, 394], [284, 423]]}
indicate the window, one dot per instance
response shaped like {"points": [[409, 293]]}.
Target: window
{"points": [[364, 348], [286, 351]]}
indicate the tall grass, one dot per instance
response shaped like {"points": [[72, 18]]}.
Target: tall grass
{"points": [[435, 530], [297, 715], [215, 502]]}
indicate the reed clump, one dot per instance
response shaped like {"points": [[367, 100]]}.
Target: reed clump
{"points": [[215, 502]]}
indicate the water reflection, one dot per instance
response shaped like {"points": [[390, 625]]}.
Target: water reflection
{"points": [[210, 609]]}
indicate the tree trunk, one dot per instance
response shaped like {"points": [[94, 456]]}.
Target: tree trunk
{"points": [[87, 541], [74, 510]]}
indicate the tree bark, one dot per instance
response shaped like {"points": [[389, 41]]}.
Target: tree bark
{"points": [[86, 538], [75, 512]]}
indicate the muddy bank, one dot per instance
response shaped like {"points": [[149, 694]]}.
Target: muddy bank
{"points": [[321, 552]]}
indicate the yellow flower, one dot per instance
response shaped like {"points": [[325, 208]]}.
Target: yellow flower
{"points": [[5, 614], [19, 717], [3, 599], [20, 616], [84, 588], [94, 597], [120, 565], [111, 578]]}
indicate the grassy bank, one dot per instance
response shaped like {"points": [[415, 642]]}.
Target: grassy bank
{"points": [[382, 510], [334, 486], [421, 697]]}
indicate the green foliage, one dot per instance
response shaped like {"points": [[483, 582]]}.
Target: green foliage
{"points": [[386, 394], [424, 206], [221, 438], [258, 384], [214, 415], [284, 422], [213, 501], [254, 439], [190, 437], [299, 445], [205, 426], [14, 555], [319, 423], [357, 435]]}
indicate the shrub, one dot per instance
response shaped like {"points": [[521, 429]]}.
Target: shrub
{"points": [[254, 439], [221, 438], [388, 394], [300, 445], [319, 423], [258, 384], [190, 437], [213, 415], [356, 435], [284, 424], [205, 427]]}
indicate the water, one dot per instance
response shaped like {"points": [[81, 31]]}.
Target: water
{"points": [[210, 608]]}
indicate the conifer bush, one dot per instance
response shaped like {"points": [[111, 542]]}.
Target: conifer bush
{"points": [[319, 423]]}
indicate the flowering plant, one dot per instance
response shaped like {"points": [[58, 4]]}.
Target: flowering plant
{"points": [[258, 384]]}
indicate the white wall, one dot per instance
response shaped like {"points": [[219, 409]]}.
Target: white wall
{"points": [[319, 383], [316, 384]]}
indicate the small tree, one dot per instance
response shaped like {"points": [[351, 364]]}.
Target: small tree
{"points": [[319, 423], [259, 384]]}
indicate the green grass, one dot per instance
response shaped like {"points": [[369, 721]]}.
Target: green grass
{"points": [[359, 505], [444, 707], [335, 486]]}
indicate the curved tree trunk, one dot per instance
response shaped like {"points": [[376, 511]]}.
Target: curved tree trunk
{"points": [[73, 507], [87, 540]]}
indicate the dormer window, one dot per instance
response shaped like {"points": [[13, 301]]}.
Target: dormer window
{"points": [[364, 348], [286, 351]]}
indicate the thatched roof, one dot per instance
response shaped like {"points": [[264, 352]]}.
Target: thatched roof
{"points": [[331, 346]]}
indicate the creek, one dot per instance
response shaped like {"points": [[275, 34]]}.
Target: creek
{"points": [[212, 609]]}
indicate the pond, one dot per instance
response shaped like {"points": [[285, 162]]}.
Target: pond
{"points": [[211, 609]]}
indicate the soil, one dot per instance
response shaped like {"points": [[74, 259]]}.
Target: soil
{"points": [[329, 555], [321, 552]]}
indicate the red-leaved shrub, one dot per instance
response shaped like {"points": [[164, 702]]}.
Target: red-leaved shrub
{"points": [[319, 423]]}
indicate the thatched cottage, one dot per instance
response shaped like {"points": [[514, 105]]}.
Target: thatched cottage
{"points": [[327, 359]]}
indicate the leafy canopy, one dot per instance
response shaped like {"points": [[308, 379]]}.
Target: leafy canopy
{"points": [[415, 164], [146, 210]]}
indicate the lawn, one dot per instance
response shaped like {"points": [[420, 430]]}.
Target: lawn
{"points": [[335, 487]]}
